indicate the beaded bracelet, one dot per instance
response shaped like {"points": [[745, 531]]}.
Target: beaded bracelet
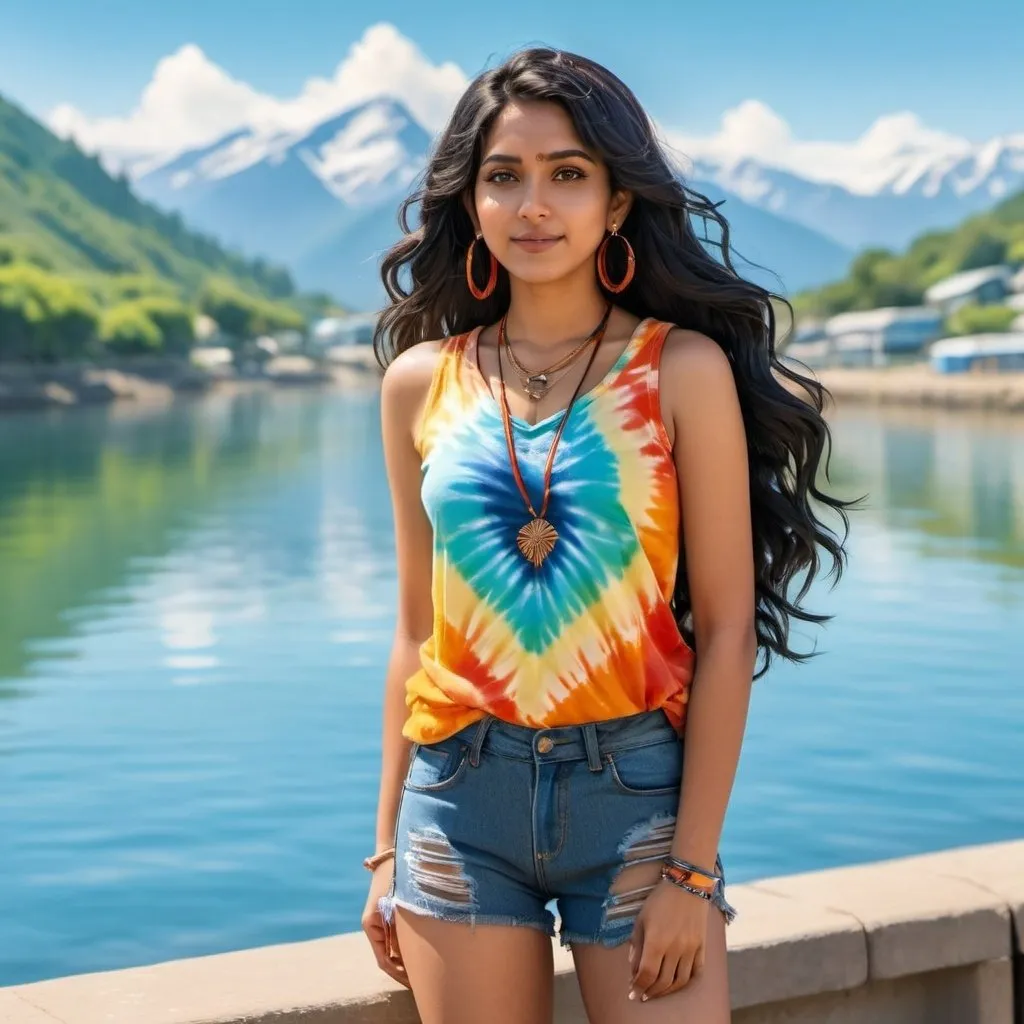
{"points": [[372, 862]]}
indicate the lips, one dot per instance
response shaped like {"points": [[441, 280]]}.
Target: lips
{"points": [[536, 243]]}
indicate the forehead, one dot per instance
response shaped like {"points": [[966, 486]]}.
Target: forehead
{"points": [[526, 128]]}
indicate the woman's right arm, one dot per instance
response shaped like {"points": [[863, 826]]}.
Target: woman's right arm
{"points": [[403, 393]]}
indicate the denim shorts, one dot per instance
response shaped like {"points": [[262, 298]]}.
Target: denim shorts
{"points": [[499, 820]]}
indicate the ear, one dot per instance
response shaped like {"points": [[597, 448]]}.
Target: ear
{"points": [[619, 207], [470, 204]]}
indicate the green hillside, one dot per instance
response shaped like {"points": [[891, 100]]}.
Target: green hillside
{"points": [[878, 277], [85, 265], [61, 210]]}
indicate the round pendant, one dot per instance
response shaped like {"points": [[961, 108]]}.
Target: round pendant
{"points": [[537, 386], [536, 541]]}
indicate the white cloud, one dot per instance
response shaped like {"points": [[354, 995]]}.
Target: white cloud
{"points": [[191, 102], [894, 151]]}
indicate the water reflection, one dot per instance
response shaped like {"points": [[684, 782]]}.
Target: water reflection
{"points": [[197, 608], [90, 498], [957, 479]]}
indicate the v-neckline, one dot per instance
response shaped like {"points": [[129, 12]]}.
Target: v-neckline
{"points": [[600, 386]]}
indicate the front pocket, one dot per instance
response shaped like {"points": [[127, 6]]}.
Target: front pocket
{"points": [[436, 766], [654, 770]]}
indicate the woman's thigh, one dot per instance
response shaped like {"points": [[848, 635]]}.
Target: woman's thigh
{"points": [[465, 974], [604, 976]]}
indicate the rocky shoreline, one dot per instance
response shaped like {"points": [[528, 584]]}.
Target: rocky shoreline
{"points": [[25, 387]]}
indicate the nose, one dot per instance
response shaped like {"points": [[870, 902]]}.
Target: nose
{"points": [[534, 204]]}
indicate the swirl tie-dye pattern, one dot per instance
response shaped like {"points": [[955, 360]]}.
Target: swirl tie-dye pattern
{"points": [[589, 634]]}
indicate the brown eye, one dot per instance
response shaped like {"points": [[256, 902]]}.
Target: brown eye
{"points": [[575, 171]]}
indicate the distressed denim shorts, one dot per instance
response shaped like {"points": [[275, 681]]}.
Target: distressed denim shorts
{"points": [[498, 820]]}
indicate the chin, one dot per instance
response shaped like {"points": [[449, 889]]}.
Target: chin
{"points": [[536, 274]]}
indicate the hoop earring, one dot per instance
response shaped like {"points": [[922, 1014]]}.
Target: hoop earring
{"points": [[492, 279], [602, 269]]}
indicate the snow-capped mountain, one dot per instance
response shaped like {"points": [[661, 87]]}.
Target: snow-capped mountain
{"points": [[324, 201], [313, 179], [899, 179], [280, 193]]}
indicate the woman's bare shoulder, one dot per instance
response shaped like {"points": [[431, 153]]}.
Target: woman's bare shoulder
{"points": [[690, 353], [408, 376]]}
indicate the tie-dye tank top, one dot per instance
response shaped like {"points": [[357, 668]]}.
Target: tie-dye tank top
{"points": [[589, 634]]}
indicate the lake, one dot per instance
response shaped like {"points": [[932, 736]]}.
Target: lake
{"points": [[197, 604]]}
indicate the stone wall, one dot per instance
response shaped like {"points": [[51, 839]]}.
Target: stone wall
{"points": [[935, 939]]}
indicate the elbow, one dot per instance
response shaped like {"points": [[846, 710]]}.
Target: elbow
{"points": [[738, 638]]}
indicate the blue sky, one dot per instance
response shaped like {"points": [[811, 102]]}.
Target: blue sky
{"points": [[829, 68]]}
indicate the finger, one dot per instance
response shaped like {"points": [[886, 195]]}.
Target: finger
{"points": [[684, 972], [698, 962], [636, 943], [663, 983], [647, 971], [394, 968], [391, 940]]}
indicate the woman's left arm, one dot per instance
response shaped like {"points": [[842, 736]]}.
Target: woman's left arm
{"points": [[710, 449], [702, 417]]}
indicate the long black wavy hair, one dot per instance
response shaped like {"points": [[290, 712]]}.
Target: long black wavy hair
{"points": [[678, 279]]}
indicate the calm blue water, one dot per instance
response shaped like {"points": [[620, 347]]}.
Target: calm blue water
{"points": [[196, 611]]}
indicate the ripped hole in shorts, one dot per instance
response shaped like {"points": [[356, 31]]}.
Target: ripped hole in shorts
{"points": [[643, 849], [436, 869]]}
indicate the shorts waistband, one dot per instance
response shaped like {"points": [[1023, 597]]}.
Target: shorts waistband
{"points": [[587, 742]]}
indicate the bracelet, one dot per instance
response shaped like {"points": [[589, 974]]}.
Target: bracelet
{"points": [[372, 862], [681, 877], [669, 874], [685, 865]]}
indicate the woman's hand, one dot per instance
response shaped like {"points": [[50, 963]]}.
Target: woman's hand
{"points": [[377, 932], [667, 947]]}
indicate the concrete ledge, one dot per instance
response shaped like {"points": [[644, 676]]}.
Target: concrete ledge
{"points": [[784, 948], [334, 979], [915, 920], [924, 939]]}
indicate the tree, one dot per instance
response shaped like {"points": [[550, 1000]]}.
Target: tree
{"points": [[981, 319], [127, 330], [242, 316], [43, 316], [173, 319]]}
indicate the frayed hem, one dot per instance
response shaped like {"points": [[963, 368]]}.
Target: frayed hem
{"points": [[427, 910], [617, 939], [579, 939]]}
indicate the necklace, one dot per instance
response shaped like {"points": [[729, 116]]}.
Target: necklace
{"points": [[537, 383], [536, 540]]}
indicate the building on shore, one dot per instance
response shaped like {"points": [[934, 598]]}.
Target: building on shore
{"points": [[981, 287], [978, 352], [342, 331], [870, 337]]}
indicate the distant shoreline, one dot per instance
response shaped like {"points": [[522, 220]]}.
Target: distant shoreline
{"points": [[918, 385], [30, 387], [27, 388]]}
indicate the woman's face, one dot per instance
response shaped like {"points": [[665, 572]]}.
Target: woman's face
{"points": [[543, 202]]}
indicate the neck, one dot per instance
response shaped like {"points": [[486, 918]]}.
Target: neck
{"points": [[549, 315]]}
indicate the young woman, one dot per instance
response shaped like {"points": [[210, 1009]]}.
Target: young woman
{"points": [[601, 492]]}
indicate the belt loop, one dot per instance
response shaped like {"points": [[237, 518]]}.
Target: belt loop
{"points": [[478, 740], [590, 742]]}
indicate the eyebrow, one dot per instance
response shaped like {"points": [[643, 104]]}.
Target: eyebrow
{"points": [[561, 154]]}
